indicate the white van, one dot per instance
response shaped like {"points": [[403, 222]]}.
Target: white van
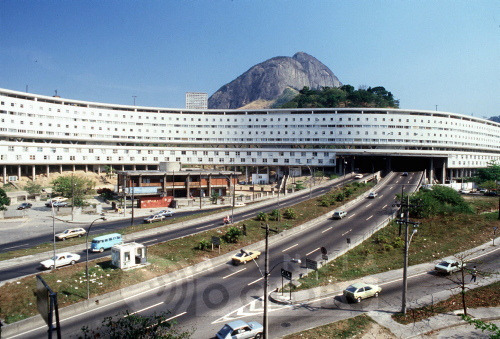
{"points": [[339, 214]]}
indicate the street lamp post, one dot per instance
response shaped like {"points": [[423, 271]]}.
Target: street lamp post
{"points": [[233, 186], [87, 255], [53, 225]]}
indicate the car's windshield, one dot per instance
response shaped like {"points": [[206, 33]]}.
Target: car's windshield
{"points": [[444, 263], [225, 331], [351, 289]]}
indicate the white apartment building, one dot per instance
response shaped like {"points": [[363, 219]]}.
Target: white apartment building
{"points": [[196, 100], [42, 134]]}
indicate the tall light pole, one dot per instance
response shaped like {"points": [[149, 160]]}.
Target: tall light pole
{"points": [[87, 255], [53, 225], [233, 186]]}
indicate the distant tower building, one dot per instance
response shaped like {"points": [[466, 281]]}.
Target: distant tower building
{"points": [[196, 100]]}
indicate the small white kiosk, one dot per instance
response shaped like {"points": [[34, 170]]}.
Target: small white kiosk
{"points": [[128, 255]]}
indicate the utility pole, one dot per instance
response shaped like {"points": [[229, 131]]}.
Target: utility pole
{"points": [[266, 274], [406, 221], [132, 215]]}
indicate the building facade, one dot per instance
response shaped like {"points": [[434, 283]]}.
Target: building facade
{"points": [[42, 134], [196, 100]]}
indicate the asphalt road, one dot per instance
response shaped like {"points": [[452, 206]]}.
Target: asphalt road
{"points": [[204, 300], [24, 269]]}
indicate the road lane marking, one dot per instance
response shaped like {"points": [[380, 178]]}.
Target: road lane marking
{"points": [[145, 242], [227, 276], [384, 206], [329, 228], [176, 316], [146, 308], [369, 204], [15, 246], [380, 196], [312, 252], [346, 232], [253, 282], [371, 216], [199, 228], [352, 215], [286, 249]]}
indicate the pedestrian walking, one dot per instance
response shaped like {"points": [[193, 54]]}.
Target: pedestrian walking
{"points": [[473, 274]]}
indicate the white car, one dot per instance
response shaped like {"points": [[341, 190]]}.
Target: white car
{"points": [[165, 213], [448, 266], [358, 176], [339, 214], [154, 218], [372, 195], [61, 259]]}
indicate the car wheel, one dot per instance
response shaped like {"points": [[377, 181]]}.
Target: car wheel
{"points": [[245, 262], [72, 262], [376, 295], [63, 239], [358, 300], [258, 336], [51, 267], [79, 235], [101, 250]]}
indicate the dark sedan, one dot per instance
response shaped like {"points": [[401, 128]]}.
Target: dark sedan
{"points": [[24, 205]]}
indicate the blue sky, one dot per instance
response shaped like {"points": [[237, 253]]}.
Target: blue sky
{"points": [[428, 53]]}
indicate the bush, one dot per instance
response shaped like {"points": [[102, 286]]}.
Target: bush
{"points": [[440, 200], [203, 245], [106, 193], [290, 213], [32, 187], [261, 216], [299, 186], [232, 235], [275, 215]]}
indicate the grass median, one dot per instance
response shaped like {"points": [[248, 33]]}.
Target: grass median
{"points": [[18, 302], [438, 236]]}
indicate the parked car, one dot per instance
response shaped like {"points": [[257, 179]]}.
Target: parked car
{"points": [[358, 291], [245, 256], [339, 214], [61, 259], [71, 233], [165, 213], [239, 204], [491, 194], [56, 204], [239, 329], [372, 195], [404, 174], [448, 266], [358, 176], [154, 218], [24, 205], [464, 191]]}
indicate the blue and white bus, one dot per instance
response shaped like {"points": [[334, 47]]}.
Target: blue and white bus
{"points": [[105, 242]]}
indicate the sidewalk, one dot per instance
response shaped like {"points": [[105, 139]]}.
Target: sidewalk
{"points": [[451, 324]]}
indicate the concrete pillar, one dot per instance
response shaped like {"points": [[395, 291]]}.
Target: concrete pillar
{"points": [[33, 172], [86, 168], [134, 167], [48, 171], [123, 167], [431, 170], [19, 172], [188, 186], [209, 193], [443, 177], [60, 169], [450, 171], [99, 169], [4, 174], [246, 173]]}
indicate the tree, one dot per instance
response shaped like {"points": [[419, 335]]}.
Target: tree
{"points": [[4, 200], [109, 171], [132, 326], [73, 187], [32, 187], [232, 235], [490, 173]]}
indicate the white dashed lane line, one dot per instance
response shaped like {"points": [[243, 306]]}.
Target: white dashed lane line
{"points": [[312, 252], [286, 249], [227, 276], [329, 228]]}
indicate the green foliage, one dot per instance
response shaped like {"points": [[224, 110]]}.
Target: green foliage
{"points": [[345, 96], [299, 185], [132, 326], [483, 326], [490, 173], [489, 185], [214, 197], [203, 245], [4, 200], [32, 187], [232, 235], [106, 193], [325, 201], [261, 216], [440, 200], [109, 170], [274, 215], [290, 213], [73, 187]]}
